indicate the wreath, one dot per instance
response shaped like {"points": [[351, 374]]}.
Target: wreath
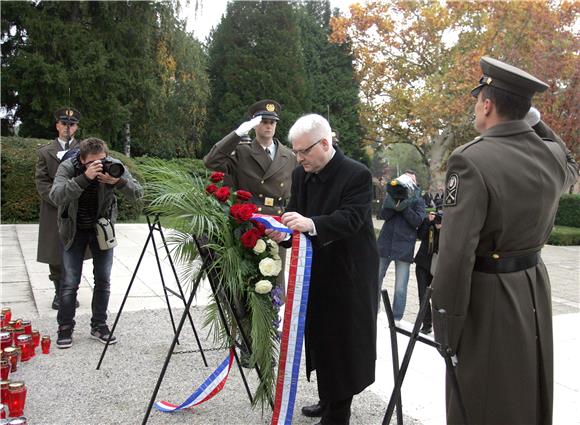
{"points": [[246, 263]]}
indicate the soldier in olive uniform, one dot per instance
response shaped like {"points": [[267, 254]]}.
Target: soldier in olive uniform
{"points": [[502, 193], [49, 249], [263, 167]]}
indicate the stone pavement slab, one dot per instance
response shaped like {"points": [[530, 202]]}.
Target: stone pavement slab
{"points": [[144, 331]]}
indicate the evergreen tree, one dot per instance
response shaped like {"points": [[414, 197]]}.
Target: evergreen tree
{"points": [[254, 54], [123, 62], [333, 92]]}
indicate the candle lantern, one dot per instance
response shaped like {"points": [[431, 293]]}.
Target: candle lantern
{"points": [[16, 398], [45, 344], [23, 341], [36, 338], [7, 314], [4, 391], [27, 325], [5, 340], [11, 356], [4, 369]]}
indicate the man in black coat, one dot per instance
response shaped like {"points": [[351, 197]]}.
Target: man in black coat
{"points": [[331, 202]]}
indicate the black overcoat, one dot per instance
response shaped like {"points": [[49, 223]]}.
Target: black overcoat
{"points": [[342, 305]]}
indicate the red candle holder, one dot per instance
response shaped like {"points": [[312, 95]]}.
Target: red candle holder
{"points": [[4, 369], [18, 324], [3, 321], [16, 332], [7, 314], [36, 338], [27, 325], [23, 341], [45, 344], [5, 340], [4, 391], [16, 398], [11, 355]]}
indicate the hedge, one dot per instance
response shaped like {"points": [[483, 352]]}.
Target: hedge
{"points": [[194, 166], [569, 211], [563, 235], [20, 200]]}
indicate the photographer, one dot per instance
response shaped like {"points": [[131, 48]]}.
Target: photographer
{"points": [[403, 211], [426, 260], [83, 190]]}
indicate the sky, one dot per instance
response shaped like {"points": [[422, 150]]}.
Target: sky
{"points": [[209, 14]]}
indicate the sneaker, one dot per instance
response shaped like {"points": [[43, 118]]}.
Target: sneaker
{"points": [[64, 339], [101, 333]]}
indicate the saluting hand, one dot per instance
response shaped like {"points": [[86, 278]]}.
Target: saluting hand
{"points": [[298, 222], [245, 127]]}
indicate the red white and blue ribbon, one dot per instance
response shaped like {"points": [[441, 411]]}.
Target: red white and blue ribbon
{"points": [[270, 222], [293, 329], [211, 386]]}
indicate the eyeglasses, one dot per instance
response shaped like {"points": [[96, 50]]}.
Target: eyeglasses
{"points": [[307, 150]]}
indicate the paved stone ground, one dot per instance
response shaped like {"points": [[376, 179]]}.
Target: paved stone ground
{"points": [[120, 391]]}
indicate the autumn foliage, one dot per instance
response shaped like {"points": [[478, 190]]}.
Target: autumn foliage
{"points": [[416, 62]]}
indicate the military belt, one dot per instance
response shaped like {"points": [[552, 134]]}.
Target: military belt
{"points": [[496, 264]]}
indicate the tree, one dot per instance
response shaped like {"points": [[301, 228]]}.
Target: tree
{"points": [[108, 59], [254, 54], [332, 89], [415, 82]]}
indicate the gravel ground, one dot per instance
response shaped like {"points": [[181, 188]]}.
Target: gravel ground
{"points": [[64, 387]]}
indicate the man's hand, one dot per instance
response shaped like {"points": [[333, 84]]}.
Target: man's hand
{"points": [[245, 127], [276, 236], [107, 178], [93, 170], [298, 222]]}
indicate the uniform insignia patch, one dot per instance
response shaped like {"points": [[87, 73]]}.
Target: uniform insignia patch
{"points": [[270, 107], [451, 190]]}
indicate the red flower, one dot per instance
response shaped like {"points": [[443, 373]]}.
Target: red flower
{"points": [[260, 228], [242, 212], [249, 238], [211, 188], [243, 195], [216, 176], [222, 194]]}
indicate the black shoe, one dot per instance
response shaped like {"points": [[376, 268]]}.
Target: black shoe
{"points": [[101, 333], [64, 339], [313, 411], [426, 329]]}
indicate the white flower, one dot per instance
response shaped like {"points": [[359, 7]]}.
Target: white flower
{"points": [[273, 247], [269, 267], [260, 246], [263, 287]]}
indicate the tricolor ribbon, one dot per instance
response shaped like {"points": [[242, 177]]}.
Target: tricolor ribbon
{"points": [[210, 387], [293, 329], [270, 222]]}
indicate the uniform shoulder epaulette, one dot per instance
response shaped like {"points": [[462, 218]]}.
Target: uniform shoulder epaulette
{"points": [[468, 145]]}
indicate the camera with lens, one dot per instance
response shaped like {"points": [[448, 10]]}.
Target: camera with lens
{"points": [[397, 191], [114, 169], [438, 217]]}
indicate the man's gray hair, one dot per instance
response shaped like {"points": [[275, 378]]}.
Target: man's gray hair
{"points": [[312, 124]]}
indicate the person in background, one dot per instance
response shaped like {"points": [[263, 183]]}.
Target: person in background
{"points": [[49, 248], [403, 212], [84, 193], [426, 260]]}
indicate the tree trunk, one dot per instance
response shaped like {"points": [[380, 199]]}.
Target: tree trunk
{"points": [[438, 159], [127, 139]]}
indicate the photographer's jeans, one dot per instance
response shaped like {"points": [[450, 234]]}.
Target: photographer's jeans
{"points": [[72, 267], [402, 269]]}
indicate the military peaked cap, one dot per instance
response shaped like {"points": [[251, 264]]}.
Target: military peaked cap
{"points": [[507, 77], [67, 115], [267, 108]]}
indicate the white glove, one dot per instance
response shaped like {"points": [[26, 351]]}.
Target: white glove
{"points": [[245, 127], [532, 117]]}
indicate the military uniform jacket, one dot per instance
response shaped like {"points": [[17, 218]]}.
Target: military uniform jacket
{"points": [[49, 249], [501, 198], [250, 168], [342, 303]]}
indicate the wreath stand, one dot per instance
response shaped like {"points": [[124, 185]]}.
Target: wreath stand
{"points": [[414, 336], [155, 225], [208, 258]]}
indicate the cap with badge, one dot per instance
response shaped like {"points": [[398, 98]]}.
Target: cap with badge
{"points": [[267, 108], [67, 115], [506, 77]]}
